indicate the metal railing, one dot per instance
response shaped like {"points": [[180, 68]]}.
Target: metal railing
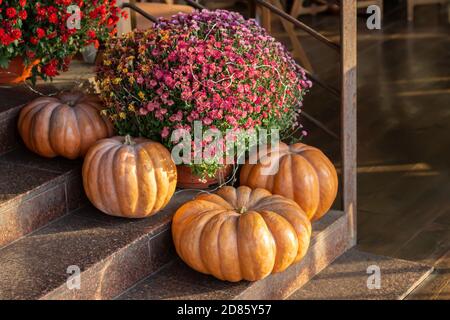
{"points": [[299, 24]]}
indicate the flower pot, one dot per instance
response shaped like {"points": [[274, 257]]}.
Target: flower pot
{"points": [[89, 54], [188, 180], [17, 72]]}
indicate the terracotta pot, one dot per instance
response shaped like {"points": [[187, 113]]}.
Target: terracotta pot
{"points": [[188, 180], [16, 72]]}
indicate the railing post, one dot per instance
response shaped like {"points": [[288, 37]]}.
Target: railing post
{"points": [[348, 111], [252, 8]]}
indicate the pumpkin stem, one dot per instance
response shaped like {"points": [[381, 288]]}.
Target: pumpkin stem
{"points": [[128, 140], [243, 210]]}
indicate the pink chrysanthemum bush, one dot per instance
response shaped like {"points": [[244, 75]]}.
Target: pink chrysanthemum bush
{"points": [[214, 67]]}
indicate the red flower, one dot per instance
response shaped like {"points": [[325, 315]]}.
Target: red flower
{"points": [[31, 54], [16, 34], [51, 69], [40, 11], [40, 33], [2, 35], [53, 18], [91, 34], [65, 63], [4, 38], [52, 9], [93, 14], [11, 13], [34, 40], [21, 2], [101, 11], [22, 14]]}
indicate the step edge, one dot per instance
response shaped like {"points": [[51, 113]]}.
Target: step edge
{"points": [[31, 166], [340, 222], [419, 281], [163, 226], [37, 229], [9, 118], [56, 181], [61, 181], [141, 240], [161, 269], [426, 272], [12, 112], [251, 290]]}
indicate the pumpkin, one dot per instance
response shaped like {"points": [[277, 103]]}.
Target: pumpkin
{"points": [[129, 178], [66, 125], [240, 233], [304, 175]]}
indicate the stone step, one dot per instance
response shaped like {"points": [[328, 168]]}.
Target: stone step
{"points": [[11, 101], [347, 278], [35, 191], [111, 253], [177, 281]]}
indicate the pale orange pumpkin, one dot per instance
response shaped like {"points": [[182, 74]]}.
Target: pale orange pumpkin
{"points": [[240, 234], [66, 125], [304, 175], [129, 178]]}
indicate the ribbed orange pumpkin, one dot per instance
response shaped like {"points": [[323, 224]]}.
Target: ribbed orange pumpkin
{"points": [[305, 175], [130, 179], [66, 125], [240, 234]]}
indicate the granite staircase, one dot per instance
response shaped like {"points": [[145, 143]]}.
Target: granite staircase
{"points": [[47, 228]]}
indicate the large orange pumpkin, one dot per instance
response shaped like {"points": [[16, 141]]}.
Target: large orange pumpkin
{"points": [[130, 179], [66, 125], [240, 233], [304, 174]]}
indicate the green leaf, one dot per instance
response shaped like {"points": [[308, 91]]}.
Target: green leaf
{"points": [[4, 62]]}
